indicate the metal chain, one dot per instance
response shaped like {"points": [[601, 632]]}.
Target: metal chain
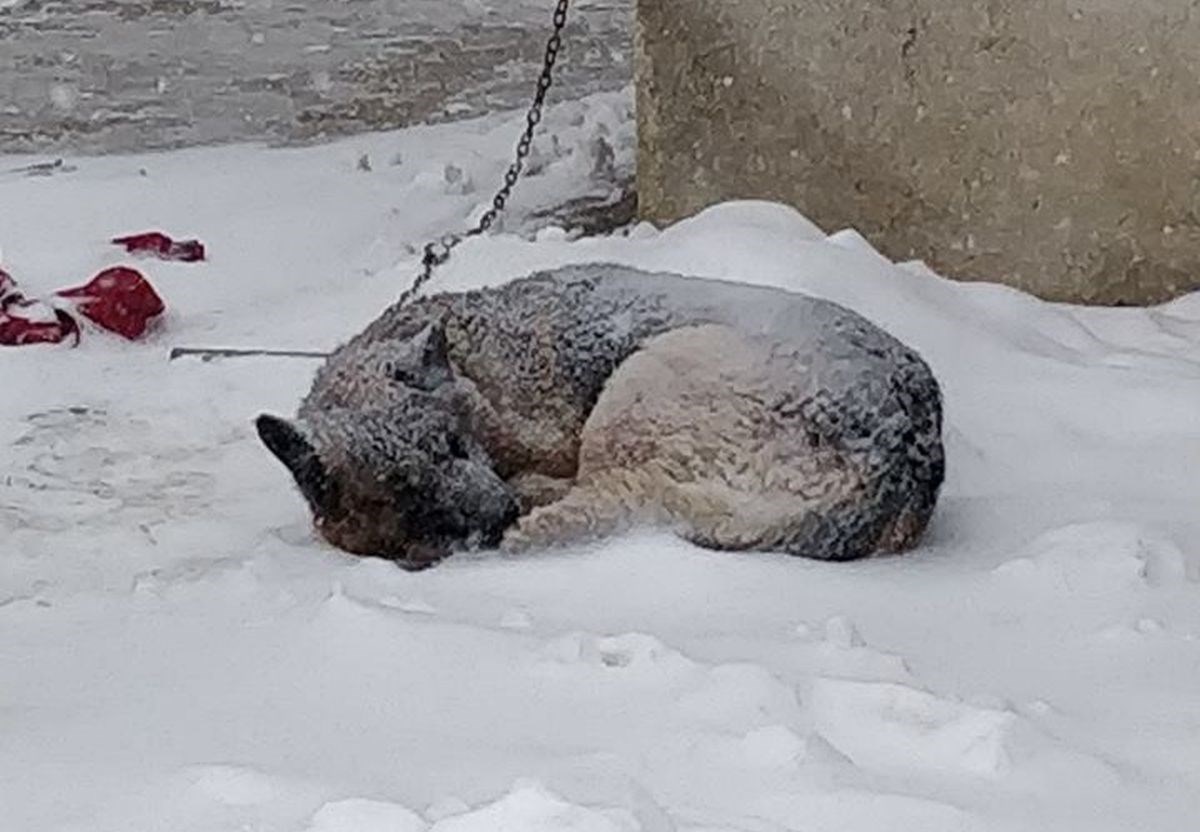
{"points": [[438, 251]]}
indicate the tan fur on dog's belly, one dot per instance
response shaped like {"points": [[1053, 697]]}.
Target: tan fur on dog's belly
{"points": [[685, 435]]}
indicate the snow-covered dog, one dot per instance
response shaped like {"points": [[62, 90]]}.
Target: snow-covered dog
{"points": [[579, 402]]}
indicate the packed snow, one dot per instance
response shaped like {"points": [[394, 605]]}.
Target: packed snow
{"points": [[178, 652]]}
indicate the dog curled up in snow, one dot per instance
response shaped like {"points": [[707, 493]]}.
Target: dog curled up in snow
{"points": [[577, 403]]}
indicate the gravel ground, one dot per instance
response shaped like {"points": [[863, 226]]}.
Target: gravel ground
{"points": [[99, 76]]}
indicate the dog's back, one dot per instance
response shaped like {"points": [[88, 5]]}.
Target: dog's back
{"points": [[557, 336]]}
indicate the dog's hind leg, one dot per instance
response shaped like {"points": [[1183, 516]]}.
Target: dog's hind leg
{"points": [[586, 513], [616, 499]]}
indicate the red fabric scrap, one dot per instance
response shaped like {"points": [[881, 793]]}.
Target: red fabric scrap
{"points": [[162, 246], [24, 321], [118, 299]]}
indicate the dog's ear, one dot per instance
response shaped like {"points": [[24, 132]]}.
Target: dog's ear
{"points": [[432, 355], [293, 449]]}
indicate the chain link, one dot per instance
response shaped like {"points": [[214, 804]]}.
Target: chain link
{"points": [[438, 251]]}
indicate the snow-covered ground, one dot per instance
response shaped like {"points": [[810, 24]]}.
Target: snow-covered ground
{"points": [[178, 653]]}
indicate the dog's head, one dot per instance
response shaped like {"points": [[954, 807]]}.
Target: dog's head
{"points": [[386, 462]]}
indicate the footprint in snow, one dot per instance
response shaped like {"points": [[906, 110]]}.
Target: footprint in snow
{"points": [[98, 469]]}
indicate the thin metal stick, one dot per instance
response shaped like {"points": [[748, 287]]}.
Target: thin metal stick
{"points": [[209, 353]]}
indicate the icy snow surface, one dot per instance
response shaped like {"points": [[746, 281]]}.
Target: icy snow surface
{"points": [[178, 653]]}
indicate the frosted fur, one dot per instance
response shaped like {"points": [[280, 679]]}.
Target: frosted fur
{"points": [[598, 397]]}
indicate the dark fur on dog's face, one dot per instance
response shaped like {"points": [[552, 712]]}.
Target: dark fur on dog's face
{"points": [[400, 477]]}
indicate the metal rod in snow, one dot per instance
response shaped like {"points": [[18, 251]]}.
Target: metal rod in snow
{"points": [[209, 353]]}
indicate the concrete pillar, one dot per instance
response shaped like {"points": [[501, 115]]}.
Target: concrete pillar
{"points": [[1051, 145]]}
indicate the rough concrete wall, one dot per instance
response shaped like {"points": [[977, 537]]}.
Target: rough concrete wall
{"points": [[1053, 146]]}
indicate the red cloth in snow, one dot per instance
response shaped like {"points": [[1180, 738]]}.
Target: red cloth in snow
{"points": [[24, 321], [118, 299], [162, 246]]}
